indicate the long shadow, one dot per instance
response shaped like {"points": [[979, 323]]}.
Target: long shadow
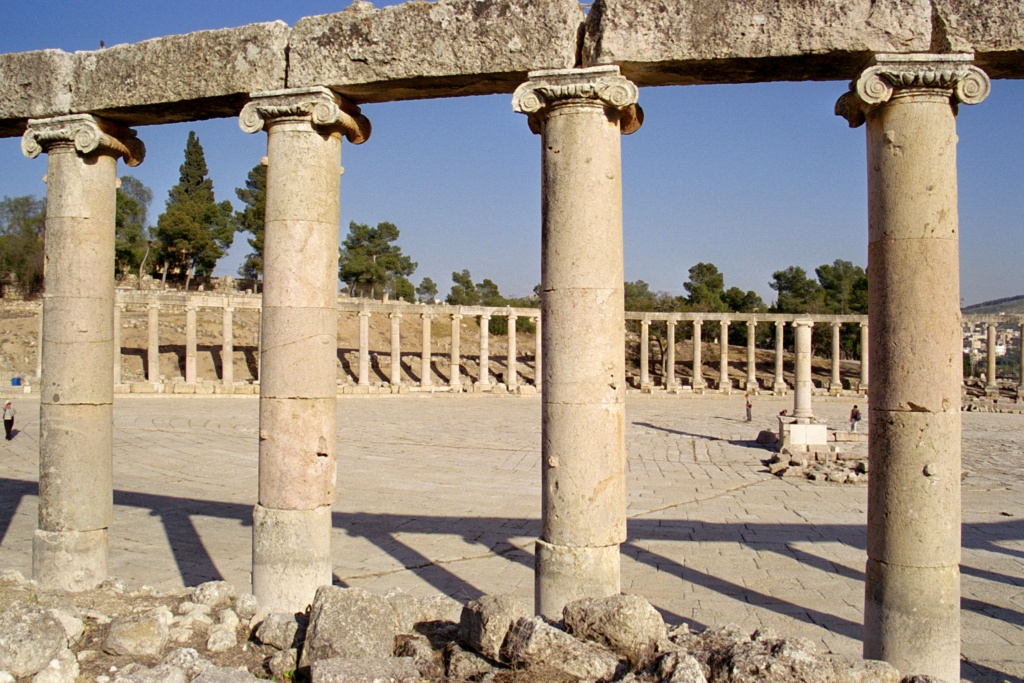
{"points": [[346, 367], [141, 354], [179, 354], [217, 354], [252, 361], [413, 377], [745, 443], [376, 369]]}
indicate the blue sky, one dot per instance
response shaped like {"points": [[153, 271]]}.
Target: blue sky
{"points": [[752, 178]]}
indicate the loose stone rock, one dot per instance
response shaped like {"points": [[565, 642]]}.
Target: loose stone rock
{"points": [[223, 674], [247, 606], [365, 670], [61, 669], [282, 630], [139, 636], [161, 673], [678, 667], [462, 665], [410, 610], [627, 624], [221, 639], [188, 660], [428, 660], [534, 644], [214, 594], [485, 623], [283, 663], [348, 622], [29, 638], [73, 626]]}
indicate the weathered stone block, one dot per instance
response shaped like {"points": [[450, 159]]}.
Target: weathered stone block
{"points": [[348, 622], [29, 639], [436, 49], [485, 622], [627, 624], [33, 85], [993, 30], [664, 42], [533, 643], [361, 669]]}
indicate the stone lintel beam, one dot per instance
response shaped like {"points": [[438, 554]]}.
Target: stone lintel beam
{"points": [[189, 77], [439, 49], [681, 42]]}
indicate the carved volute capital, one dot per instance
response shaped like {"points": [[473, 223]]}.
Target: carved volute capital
{"points": [[603, 84], [324, 108], [888, 76], [87, 133]]}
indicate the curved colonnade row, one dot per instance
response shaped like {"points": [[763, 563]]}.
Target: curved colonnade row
{"points": [[910, 67]]}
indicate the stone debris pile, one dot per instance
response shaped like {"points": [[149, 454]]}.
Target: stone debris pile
{"points": [[211, 634]]}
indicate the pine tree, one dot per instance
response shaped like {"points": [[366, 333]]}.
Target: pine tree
{"points": [[131, 236], [194, 231], [369, 263], [252, 218]]}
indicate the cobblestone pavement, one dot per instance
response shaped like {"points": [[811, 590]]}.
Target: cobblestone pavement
{"points": [[442, 493]]}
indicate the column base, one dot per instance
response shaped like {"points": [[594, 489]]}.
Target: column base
{"points": [[698, 386], [291, 556], [72, 561], [780, 389], [912, 618], [725, 387], [991, 390], [753, 386], [566, 573]]}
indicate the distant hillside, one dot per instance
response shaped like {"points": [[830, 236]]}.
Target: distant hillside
{"points": [[1011, 304]]}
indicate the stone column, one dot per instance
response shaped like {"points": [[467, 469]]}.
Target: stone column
{"points": [[1020, 376], [118, 310], [426, 374], [485, 351], [227, 348], [645, 350], [512, 381], [751, 356], [190, 344], [153, 343], [39, 335], [724, 383], [779, 385], [670, 356], [698, 373], [298, 387], [803, 388], [835, 382], [76, 416], [865, 347], [364, 348], [912, 580], [455, 365], [991, 386], [580, 115], [538, 354], [396, 349]]}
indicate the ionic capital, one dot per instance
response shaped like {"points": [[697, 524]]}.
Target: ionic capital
{"points": [[87, 133], [322, 107], [598, 84], [891, 75]]}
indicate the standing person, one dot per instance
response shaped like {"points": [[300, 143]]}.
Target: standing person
{"points": [[8, 419], [750, 407], [854, 418]]}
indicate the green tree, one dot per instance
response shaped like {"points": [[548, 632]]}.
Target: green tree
{"points": [[251, 219], [797, 293], [743, 302], [194, 231], [844, 287], [705, 288], [369, 263], [427, 291], [131, 232], [463, 292], [22, 228]]}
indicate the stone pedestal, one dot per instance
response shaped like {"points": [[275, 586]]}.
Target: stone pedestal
{"points": [[724, 383], [69, 549], [153, 344], [698, 373], [298, 387], [227, 348], [752, 385], [779, 387], [426, 372], [455, 362], [803, 387], [912, 586], [581, 114]]}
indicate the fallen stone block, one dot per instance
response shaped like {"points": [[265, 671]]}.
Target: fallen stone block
{"points": [[533, 643], [626, 624], [365, 670], [348, 622], [485, 623], [282, 630]]}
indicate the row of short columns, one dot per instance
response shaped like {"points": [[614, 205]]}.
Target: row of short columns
{"points": [[913, 546], [153, 344], [751, 383], [991, 384]]}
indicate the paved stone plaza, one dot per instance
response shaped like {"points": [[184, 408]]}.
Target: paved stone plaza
{"points": [[442, 493]]}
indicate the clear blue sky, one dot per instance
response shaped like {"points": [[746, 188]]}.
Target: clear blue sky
{"points": [[751, 178]]}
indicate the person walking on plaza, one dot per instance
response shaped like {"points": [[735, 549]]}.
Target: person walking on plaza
{"points": [[9, 419], [750, 407], [854, 418]]}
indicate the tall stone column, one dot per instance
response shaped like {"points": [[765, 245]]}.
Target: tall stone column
{"points": [[724, 383], [298, 387], [912, 580], [76, 416], [803, 388], [396, 349], [118, 310], [580, 115], [991, 386], [645, 350], [835, 382], [364, 348], [190, 344], [698, 373], [512, 381], [865, 355], [779, 385], [670, 356], [455, 364], [227, 348], [1020, 376], [485, 351], [39, 335], [426, 374], [751, 356], [153, 343], [538, 353]]}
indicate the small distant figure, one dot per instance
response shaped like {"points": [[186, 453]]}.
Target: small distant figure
{"points": [[855, 417], [9, 420], [750, 407], [783, 413]]}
